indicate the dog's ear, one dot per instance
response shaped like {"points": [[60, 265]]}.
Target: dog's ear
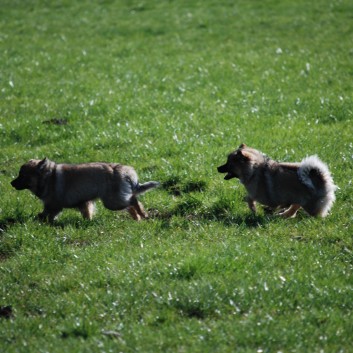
{"points": [[245, 155], [43, 164], [243, 145]]}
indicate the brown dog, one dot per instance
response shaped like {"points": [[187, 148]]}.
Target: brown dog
{"points": [[62, 186], [307, 184]]}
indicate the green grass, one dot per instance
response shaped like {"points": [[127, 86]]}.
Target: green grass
{"points": [[171, 87]]}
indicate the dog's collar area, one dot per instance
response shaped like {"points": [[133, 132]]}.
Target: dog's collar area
{"points": [[42, 187], [263, 166]]}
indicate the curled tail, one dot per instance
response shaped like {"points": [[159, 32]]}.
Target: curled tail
{"points": [[141, 188], [316, 176]]}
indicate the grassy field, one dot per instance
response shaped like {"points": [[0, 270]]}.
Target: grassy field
{"points": [[171, 87]]}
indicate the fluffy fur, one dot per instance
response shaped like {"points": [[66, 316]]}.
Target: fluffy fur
{"points": [[307, 184], [62, 186]]}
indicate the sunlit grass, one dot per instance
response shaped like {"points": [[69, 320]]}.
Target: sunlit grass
{"points": [[171, 88]]}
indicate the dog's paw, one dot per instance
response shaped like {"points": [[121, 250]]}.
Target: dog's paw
{"points": [[290, 212]]}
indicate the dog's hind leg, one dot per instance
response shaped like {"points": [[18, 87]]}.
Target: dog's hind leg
{"points": [[290, 212], [141, 210], [87, 209], [134, 213], [138, 208]]}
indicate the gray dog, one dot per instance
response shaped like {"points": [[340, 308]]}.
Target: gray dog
{"points": [[62, 186]]}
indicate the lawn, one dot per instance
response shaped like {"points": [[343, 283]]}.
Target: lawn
{"points": [[171, 87]]}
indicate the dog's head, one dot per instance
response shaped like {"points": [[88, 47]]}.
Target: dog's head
{"points": [[30, 174], [240, 163]]}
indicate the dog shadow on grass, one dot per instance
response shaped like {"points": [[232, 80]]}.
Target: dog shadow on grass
{"points": [[9, 245], [8, 222], [191, 209], [61, 222], [195, 216], [250, 220]]}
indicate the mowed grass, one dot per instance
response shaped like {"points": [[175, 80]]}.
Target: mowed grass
{"points": [[171, 87]]}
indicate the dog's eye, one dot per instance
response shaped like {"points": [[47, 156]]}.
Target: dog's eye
{"points": [[236, 157]]}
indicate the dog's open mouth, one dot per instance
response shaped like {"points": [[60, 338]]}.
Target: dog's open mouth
{"points": [[224, 169]]}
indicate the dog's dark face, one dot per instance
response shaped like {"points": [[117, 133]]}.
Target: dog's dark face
{"points": [[236, 163], [28, 176]]}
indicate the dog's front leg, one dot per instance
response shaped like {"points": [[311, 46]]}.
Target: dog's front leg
{"points": [[133, 213], [87, 209], [251, 203], [136, 209]]}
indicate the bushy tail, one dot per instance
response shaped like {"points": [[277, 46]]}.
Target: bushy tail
{"points": [[141, 188], [316, 176]]}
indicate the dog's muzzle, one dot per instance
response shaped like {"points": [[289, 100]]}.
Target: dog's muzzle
{"points": [[17, 184], [224, 169]]}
